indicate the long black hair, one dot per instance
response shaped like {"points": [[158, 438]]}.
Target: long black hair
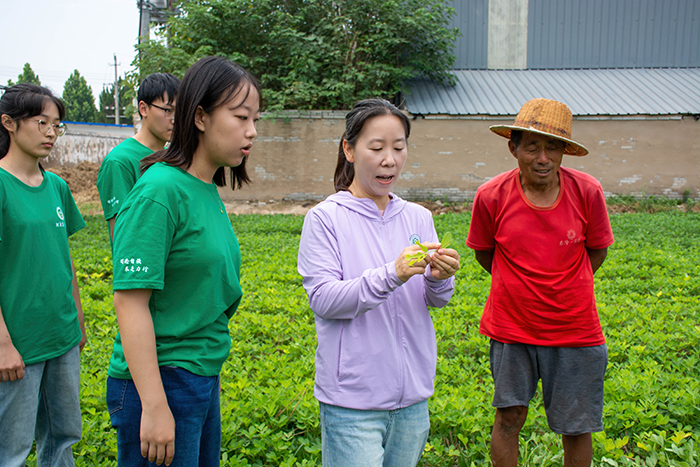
{"points": [[354, 121], [23, 101], [209, 83]]}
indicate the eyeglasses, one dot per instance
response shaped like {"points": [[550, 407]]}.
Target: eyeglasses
{"points": [[58, 128], [169, 113]]}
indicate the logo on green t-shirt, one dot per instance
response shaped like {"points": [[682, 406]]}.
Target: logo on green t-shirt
{"points": [[59, 213]]}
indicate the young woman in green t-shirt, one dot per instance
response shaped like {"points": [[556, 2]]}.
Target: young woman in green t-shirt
{"points": [[41, 318], [176, 275]]}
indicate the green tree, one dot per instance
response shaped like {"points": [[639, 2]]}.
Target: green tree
{"points": [[28, 76], [78, 98], [312, 54], [106, 109]]}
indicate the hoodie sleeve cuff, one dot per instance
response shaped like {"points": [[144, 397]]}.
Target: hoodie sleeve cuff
{"points": [[392, 276]]}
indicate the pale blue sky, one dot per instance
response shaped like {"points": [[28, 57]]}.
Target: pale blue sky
{"points": [[59, 36]]}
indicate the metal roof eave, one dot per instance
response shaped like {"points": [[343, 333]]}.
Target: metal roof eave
{"points": [[633, 93]]}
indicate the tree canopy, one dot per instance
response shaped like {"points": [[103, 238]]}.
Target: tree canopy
{"points": [[27, 76], [311, 54], [78, 99]]}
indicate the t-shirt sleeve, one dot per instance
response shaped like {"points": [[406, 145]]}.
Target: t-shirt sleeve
{"points": [[74, 220], [481, 229], [143, 236], [599, 232], [115, 180]]}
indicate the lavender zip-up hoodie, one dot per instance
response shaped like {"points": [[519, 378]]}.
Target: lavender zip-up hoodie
{"points": [[376, 341]]}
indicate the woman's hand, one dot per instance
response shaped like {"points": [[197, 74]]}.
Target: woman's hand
{"points": [[11, 363], [158, 434], [444, 263], [406, 271]]}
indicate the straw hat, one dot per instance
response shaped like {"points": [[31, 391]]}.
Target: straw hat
{"points": [[546, 117]]}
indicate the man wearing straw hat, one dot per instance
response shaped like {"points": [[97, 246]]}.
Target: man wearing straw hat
{"points": [[541, 231]]}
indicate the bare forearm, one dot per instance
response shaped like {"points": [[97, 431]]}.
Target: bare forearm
{"points": [[11, 363], [110, 222], [485, 259], [139, 344], [157, 431], [4, 333], [79, 306], [597, 257]]}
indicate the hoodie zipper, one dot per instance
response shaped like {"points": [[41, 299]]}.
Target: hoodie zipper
{"points": [[401, 363]]}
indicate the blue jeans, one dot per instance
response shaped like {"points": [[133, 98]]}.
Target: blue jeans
{"points": [[43, 405], [194, 403], [373, 438]]}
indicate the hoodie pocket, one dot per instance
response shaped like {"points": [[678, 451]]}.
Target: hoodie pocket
{"points": [[341, 354]]}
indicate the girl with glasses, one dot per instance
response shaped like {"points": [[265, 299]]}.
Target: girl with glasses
{"points": [[176, 275], [41, 319]]}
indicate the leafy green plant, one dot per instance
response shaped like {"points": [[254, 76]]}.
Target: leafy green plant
{"points": [[648, 295], [418, 257]]}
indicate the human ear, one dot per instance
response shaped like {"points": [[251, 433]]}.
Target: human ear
{"points": [[349, 151], [143, 109], [199, 118], [8, 123], [512, 147]]}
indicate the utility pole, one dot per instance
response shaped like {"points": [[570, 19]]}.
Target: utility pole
{"points": [[144, 21], [116, 92]]}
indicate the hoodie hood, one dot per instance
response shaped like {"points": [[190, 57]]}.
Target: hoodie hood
{"points": [[368, 208]]}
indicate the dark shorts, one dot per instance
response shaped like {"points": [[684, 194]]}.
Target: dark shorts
{"points": [[572, 382]]}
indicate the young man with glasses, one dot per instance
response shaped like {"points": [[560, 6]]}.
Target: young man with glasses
{"points": [[120, 169]]}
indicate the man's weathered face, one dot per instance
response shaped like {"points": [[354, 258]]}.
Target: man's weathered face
{"points": [[539, 157]]}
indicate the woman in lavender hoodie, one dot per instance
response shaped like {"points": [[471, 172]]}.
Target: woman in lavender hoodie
{"points": [[376, 356]]}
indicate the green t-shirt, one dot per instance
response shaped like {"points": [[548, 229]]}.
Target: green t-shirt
{"points": [[36, 278], [173, 236], [118, 174]]}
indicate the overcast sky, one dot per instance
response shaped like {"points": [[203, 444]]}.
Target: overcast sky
{"points": [[59, 36]]}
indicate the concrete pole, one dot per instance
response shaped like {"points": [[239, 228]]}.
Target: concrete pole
{"points": [[116, 92], [144, 21]]}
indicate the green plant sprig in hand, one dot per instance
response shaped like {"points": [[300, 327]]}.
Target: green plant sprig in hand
{"points": [[418, 257]]}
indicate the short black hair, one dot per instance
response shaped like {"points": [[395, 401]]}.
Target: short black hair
{"points": [[516, 136], [155, 86]]}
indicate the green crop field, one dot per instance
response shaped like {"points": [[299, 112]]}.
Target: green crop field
{"points": [[648, 295]]}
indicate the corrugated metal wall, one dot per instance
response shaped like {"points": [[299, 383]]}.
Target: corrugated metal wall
{"points": [[590, 33], [472, 19], [613, 33]]}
